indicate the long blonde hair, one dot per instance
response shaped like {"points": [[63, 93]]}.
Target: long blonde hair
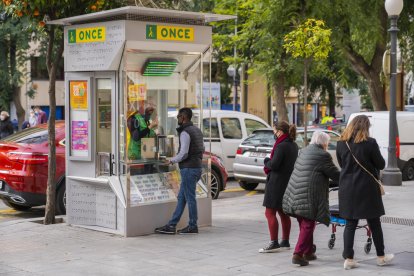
{"points": [[358, 129]]}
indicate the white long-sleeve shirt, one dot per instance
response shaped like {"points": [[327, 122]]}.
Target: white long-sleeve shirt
{"points": [[184, 147]]}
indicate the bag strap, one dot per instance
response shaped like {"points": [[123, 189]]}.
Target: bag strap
{"points": [[356, 160]]}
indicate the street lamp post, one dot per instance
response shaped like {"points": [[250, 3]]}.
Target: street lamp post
{"points": [[231, 71], [392, 174]]}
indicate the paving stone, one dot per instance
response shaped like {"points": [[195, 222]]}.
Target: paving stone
{"points": [[230, 247]]}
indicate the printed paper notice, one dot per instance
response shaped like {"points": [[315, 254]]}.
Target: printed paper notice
{"points": [[79, 138], [137, 92], [78, 95]]}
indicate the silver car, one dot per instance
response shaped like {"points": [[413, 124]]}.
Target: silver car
{"points": [[248, 165]]}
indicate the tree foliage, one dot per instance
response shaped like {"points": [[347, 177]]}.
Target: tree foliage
{"points": [[14, 43], [310, 40], [39, 12]]}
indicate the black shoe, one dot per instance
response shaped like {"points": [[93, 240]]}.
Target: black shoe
{"points": [[166, 229], [299, 260], [284, 244], [188, 230], [273, 246]]}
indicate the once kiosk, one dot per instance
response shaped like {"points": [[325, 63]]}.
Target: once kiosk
{"points": [[123, 69]]}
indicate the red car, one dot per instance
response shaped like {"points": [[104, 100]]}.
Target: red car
{"points": [[24, 163], [23, 168]]}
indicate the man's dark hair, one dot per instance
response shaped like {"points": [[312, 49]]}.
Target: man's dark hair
{"points": [[187, 112]]}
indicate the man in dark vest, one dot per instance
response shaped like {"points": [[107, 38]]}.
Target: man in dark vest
{"points": [[189, 159]]}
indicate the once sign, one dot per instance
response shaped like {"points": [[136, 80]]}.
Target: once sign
{"points": [[158, 32], [87, 35]]}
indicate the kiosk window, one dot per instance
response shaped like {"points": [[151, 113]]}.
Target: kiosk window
{"points": [[103, 138], [231, 128]]}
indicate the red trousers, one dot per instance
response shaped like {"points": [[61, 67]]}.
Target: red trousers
{"points": [[305, 239], [274, 225]]}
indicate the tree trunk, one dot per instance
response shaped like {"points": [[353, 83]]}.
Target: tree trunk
{"points": [[371, 72], [20, 111], [331, 96], [4, 75], [376, 90], [279, 98], [52, 67], [14, 88]]}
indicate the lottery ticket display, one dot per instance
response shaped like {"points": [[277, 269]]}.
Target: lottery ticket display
{"points": [[160, 187]]}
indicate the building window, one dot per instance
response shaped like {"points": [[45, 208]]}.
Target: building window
{"points": [[38, 69]]}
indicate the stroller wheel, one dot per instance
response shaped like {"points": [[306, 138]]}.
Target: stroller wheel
{"points": [[367, 247], [331, 243]]}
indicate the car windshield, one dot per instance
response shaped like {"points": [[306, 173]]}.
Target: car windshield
{"points": [[33, 135], [260, 139]]}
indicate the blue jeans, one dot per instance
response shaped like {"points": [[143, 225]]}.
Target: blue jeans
{"points": [[189, 179]]}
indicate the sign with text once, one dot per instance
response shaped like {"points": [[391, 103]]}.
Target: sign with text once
{"points": [[94, 47], [87, 35], [171, 33]]}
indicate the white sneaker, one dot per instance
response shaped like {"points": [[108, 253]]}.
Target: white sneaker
{"points": [[350, 263], [387, 259]]}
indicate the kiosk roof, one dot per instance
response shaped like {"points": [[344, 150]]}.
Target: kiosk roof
{"points": [[144, 14]]}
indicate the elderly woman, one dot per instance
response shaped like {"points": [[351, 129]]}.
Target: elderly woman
{"points": [[306, 196], [6, 126]]}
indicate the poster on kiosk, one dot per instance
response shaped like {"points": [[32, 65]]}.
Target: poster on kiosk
{"points": [[124, 68]]}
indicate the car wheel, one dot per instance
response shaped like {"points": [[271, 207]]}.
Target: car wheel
{"points": [[16, 206], [215, 183], [61, 200], [248, 186], [408, 171]]}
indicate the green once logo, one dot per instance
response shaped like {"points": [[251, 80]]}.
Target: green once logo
{"points": [[72, 36], [151, 32]]}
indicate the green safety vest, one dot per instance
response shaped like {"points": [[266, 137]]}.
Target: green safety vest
{"points": [[134, 147]]}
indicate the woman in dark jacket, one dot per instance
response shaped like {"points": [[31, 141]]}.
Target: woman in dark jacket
{"points": [[306, 195], [359, 193], [278, 169], [6, 126]]}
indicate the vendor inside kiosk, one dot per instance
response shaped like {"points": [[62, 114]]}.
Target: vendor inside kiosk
{"points": [[125, 69]]}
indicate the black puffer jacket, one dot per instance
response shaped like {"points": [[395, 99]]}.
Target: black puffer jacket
{"points": [[307, 192]]}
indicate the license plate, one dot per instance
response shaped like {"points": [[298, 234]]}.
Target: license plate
{"points": [[258, 154]]}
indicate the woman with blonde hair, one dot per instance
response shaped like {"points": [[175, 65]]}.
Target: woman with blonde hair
{"points": [[278, 168], [359, 193]]}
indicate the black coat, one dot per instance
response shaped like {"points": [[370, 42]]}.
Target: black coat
{"points": [[359, 194], [281, 167], [6, 128], [307, 192]]}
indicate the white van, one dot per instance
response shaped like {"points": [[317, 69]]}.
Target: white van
{"points": [[380, 130], [228, 129]]}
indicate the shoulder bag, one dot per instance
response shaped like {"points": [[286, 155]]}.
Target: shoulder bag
{"points": [[381, 186]]}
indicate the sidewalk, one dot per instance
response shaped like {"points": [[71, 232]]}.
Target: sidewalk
{"points": [[230, 247]]}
